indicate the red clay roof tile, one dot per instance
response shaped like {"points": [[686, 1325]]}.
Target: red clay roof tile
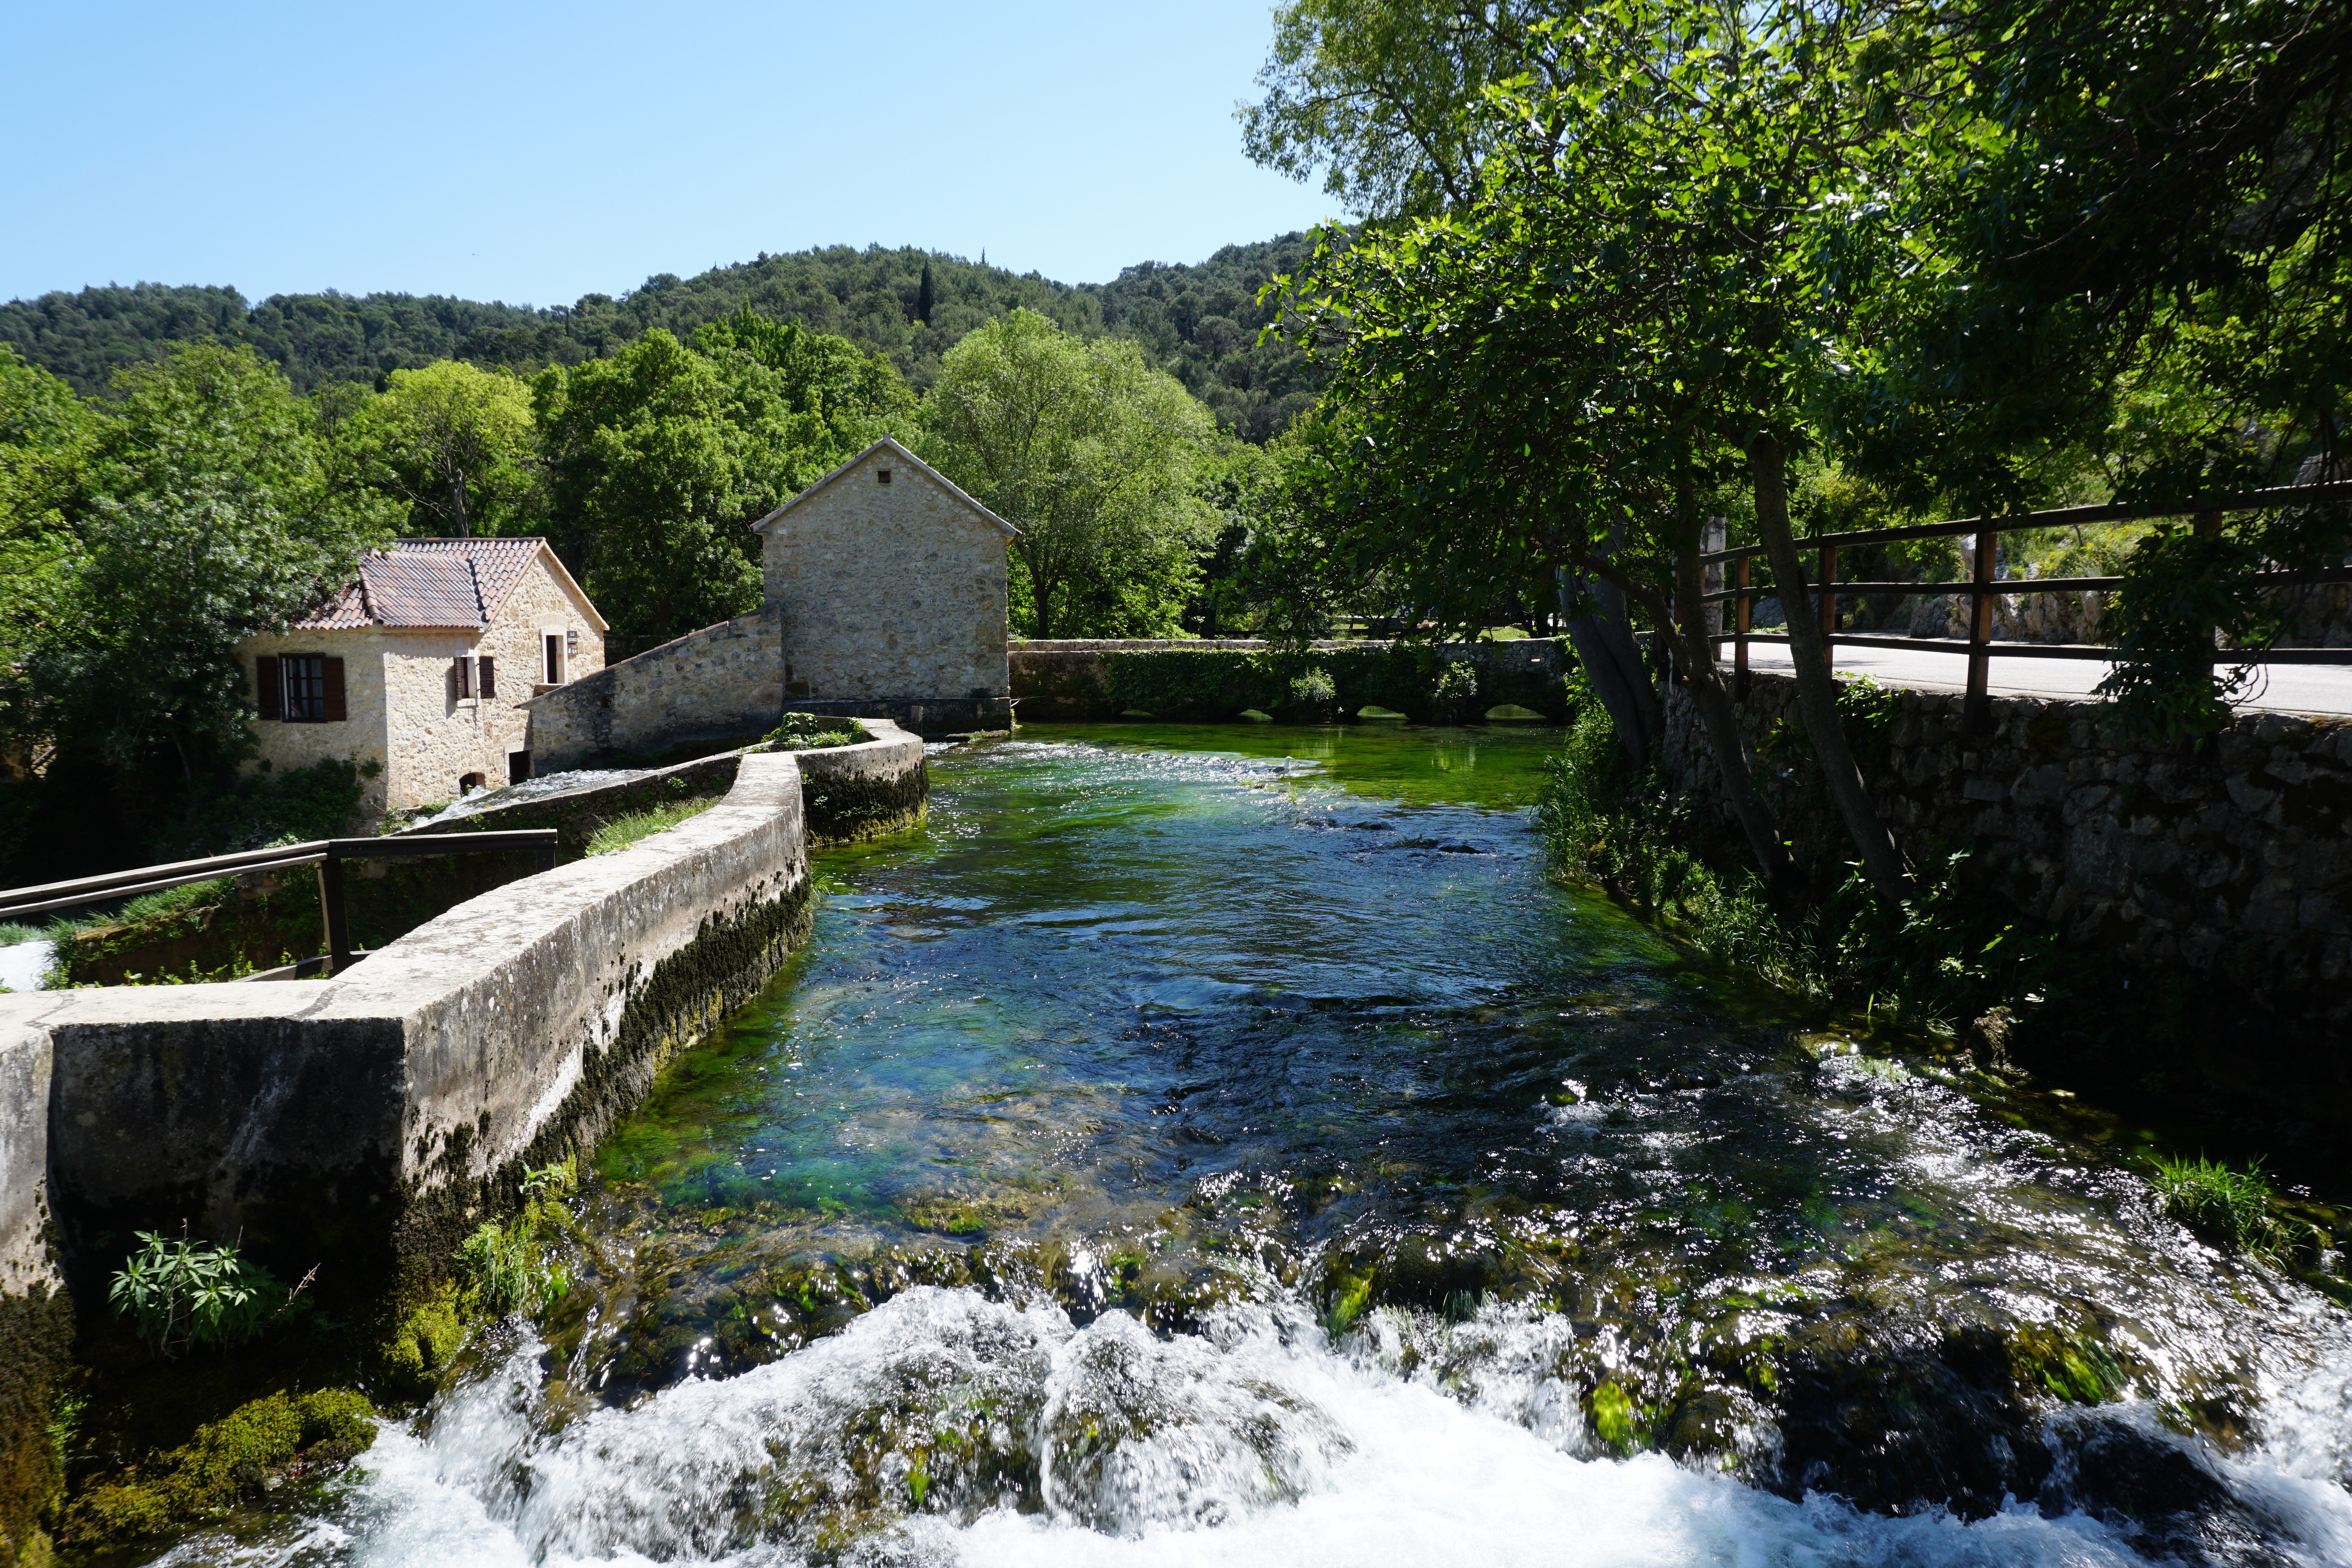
{"points": [[453, 584]]}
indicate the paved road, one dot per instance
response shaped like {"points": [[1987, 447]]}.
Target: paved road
{"points": [[2288, 688]]}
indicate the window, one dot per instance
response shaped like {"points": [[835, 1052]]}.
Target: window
{"points": [[517, 767], [881, 475], [473, 677], [306, 687], [299, 688], [553, 641]]}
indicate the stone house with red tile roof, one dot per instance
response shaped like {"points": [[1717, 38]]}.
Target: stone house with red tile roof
{"points": [[421, 664]]}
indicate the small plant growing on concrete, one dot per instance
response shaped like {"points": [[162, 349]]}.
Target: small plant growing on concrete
{"points": [[188, 1293], [622, 832], [516, 1265], [813, 732]]}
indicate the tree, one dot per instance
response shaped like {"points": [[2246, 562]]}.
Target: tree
{"points": [[648, 487], [454, 443], [926, 295], [2119, 226], [1384, 98], [660, 456], [1092, 455], [205, 512], [46, 434]]}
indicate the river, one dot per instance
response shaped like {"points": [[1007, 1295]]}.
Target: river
{"points": [[1206, 1145]]}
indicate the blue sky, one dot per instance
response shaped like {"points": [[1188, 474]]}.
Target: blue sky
{"points": [[534, 153]]}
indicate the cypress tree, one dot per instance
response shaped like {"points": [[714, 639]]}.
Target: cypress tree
{"points": [[923, 296]]}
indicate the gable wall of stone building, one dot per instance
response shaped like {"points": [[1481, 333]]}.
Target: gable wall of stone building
{"points": [[887, 591], [404, 712]]}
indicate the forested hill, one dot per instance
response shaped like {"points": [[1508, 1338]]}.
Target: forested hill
{"points": [[1200, 322]]}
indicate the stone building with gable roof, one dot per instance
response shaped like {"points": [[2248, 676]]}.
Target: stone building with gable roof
{"points": [[884, 596], [425, 665]]}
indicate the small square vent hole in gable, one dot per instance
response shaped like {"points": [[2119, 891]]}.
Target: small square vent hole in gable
{"points": [[881, 475]]}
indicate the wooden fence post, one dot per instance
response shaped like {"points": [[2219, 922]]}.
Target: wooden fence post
{"points": [[1742, 608], [1976, 713], [1829, 607], [330, 913]]}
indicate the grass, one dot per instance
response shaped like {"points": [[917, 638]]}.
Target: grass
{"points": [[2225, 1206], [622, 832], [146, 906]]}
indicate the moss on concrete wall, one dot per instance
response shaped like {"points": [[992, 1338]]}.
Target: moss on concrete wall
{"points": [[35, 1339]]}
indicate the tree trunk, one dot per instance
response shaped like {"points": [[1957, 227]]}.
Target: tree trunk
{"points": [[1695, 656], [1721, 728], [1882, 858], [1604, 646]]}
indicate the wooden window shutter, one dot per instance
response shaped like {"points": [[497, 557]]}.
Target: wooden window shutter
{"points": [[271, 687], [334, 673], [461, 677], [487, 672]]}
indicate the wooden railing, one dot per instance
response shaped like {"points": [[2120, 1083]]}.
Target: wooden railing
{"points": [[1982, 588], [326, 855]]}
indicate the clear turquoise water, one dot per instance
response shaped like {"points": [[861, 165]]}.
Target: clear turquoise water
{"points": [[1226, 1143]]}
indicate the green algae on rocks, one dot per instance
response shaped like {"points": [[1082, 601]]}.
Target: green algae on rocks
{"points": [[231, 1463]]}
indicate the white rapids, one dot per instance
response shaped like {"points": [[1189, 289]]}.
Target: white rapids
{"points": [[1260, 1443]]}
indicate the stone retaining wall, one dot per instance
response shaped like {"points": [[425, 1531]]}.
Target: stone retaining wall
{"points": [[2232, 860], [365, 1121], [1217, 678]]}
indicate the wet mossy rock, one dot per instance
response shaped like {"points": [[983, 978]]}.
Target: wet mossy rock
{"points": [[232, 1463]]}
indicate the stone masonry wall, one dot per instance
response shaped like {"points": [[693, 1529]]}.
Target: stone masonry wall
{"points": [[887, 591], [2232, 859], [1071, 679], [722, 683]]}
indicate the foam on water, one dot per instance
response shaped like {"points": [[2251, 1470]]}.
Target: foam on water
{"points": [[531, 789], [1257, 1444]]}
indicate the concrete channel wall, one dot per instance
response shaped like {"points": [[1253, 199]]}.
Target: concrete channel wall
{"points": [[365, 1123]]}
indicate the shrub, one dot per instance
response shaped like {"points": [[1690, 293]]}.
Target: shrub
{"points": [[186, 1294], [291, 805], [2229, 1207], [1936, 961], [813, 732], [1314, 689], [1457, 687]]}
